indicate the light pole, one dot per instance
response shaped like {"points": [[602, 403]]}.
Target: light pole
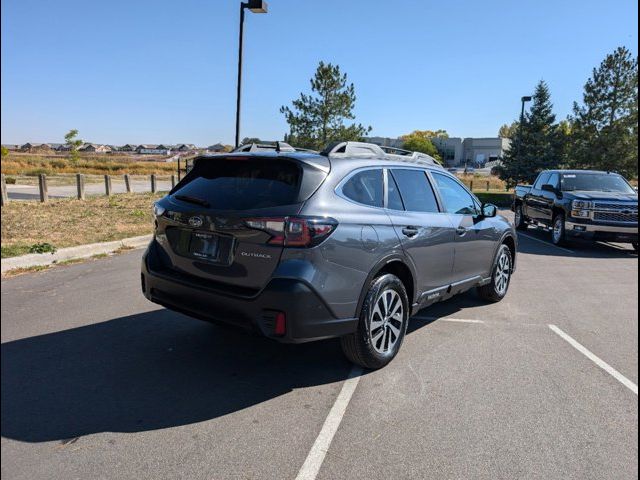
{"points": [[256, 6], [524, 100]]}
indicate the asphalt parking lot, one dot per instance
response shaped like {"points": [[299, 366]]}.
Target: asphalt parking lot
{"points": [[99, 383]]}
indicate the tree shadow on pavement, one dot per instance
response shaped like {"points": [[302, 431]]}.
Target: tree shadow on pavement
{"points": [[148, 371]]}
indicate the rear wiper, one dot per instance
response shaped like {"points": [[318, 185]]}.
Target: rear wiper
{"points": [[196, 200]]}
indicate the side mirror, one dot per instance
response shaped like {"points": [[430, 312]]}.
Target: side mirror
{"points": [[489, 210], [547, 187]]}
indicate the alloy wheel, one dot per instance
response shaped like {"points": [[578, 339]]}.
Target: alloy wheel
{"points": [[386, 321], [503, 273], [557, 230]]}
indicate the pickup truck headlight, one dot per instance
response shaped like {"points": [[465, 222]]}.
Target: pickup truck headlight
{"points": [[581, 208], [158, 210]]}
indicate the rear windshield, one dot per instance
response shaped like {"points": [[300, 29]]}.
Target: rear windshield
{"points": [[595, 182], [242, 184]]}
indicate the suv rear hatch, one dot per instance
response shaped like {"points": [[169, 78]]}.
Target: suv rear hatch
{"points": [[225, 225]]}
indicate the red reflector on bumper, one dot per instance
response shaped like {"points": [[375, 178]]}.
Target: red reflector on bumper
{"points": [[281, 324]]}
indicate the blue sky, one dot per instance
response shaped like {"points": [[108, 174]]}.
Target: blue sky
{"points": [[155, 71]]}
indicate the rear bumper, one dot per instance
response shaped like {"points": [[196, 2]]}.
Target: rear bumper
{"points": [[307, 316], [600, 232]]}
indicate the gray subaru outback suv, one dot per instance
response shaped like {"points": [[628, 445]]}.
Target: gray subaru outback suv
{"points": [[304, 246]]}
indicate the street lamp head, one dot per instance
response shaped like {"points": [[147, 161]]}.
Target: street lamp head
{"points": [[526, 99], [257, 6]]}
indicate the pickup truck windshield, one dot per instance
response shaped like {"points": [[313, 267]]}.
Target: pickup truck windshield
{"points": [[595, 183]]}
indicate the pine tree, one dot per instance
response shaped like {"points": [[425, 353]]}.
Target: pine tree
{"points": [[537, 139], [605, 126], [318, 119]]}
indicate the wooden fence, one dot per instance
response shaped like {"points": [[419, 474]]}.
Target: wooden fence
{"points": [[43, 188]]}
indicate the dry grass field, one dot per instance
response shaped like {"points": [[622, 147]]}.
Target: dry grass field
{"points": [[26, 226], [32, 164]]}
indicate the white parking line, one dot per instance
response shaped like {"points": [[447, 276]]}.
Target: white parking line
{"points": [[455, 320], [545, 243], [598, 361], [313, 462]]}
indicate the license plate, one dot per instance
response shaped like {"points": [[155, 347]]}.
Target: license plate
{"points": [[204, 245]]}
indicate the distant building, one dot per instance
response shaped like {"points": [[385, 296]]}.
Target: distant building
{"points": [[36, 148], [128, 148], [152, 149], [451, 149], [217, 148], [458, 152], [93, 148], [186, 147], [385, 141], [479, 151]]}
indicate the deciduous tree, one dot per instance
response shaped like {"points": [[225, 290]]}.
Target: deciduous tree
{"points": [[420, 141], [73, 142]]}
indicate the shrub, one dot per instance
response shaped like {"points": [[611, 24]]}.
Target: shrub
{"points": [[42, 248]]}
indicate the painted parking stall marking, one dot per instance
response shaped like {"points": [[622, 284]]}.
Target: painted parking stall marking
{"points": [[313, 462], [595, 359]]}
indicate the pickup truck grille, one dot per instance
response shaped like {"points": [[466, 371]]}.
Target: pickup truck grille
{"points": [[615, 212]]}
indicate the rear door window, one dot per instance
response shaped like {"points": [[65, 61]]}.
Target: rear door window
{"points": [[365, 187], [415, 189], [243, 184]]}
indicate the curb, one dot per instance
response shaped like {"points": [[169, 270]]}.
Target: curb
{"points": [[72, 253]]}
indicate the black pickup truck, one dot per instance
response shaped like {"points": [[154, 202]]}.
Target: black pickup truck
{"points": [[598, 206]]}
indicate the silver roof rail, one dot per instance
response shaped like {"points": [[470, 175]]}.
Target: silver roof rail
{"points": [[256, 147], [361, 149]]}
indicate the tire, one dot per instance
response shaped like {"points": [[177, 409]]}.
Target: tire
{"points": [[520, 221], [379, 336], [497, 289], [558, 231]]}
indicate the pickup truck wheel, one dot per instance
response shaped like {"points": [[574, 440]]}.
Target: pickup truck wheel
{"points": [[382, 326], [500, 278], [559, 234], [520, 222]]}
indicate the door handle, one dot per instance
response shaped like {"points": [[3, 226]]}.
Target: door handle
{"points": [[410, 231], [461, 231]]}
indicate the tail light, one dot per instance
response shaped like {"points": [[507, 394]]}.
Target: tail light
{"points": [[294, 231]]}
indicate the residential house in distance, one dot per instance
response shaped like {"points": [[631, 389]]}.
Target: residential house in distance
{"points": [[186, 147], [12, 147], [94, 148], [36, 148], [217, 148], [152, 149], [128, 148]]}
